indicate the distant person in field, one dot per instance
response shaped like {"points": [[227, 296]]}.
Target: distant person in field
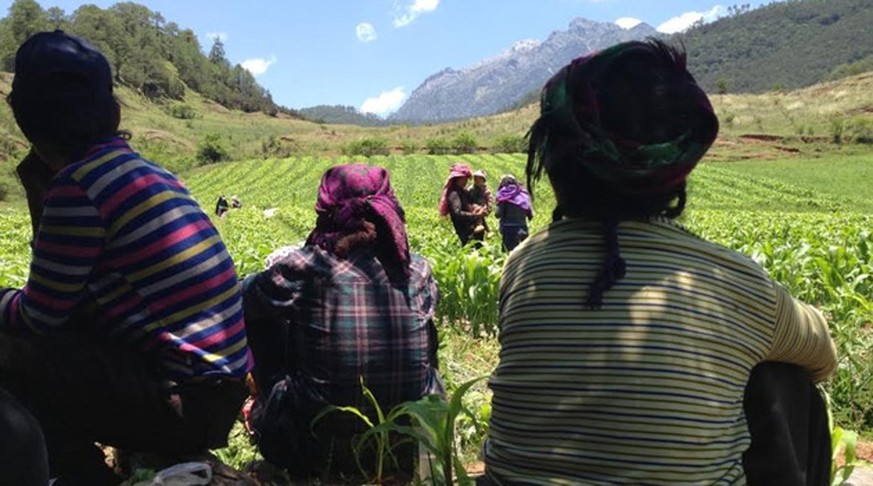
{"points": [[129, 331], [221, 206], [480, 195], [513, 211], [631, 349], [352, 304], [457, 203]]}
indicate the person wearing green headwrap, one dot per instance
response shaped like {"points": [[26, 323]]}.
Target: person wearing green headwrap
{"points": [[631, 349]]}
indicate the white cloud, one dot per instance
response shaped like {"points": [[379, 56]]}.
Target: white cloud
{"points": [[385, 103], [222, 36], [411, 11], [628, 22], [687, 19], [366, 32], [258, 66]]}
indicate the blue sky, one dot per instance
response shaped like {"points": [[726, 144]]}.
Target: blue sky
{"points": [[371, 54]]}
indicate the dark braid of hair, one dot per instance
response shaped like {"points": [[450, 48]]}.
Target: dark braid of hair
{"points": [[614, 266]]}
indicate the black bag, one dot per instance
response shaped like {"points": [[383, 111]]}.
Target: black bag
{"points": [[282, 414], [282, 423]]}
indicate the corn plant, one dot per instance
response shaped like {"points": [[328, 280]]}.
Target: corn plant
{"points": [[842, 442], [378, 433], [434, 421]]}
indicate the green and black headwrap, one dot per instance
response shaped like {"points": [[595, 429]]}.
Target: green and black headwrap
{"points": [[571, 127]]}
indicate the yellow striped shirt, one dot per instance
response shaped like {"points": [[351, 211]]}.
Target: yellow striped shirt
{"points": [[648, 389]]}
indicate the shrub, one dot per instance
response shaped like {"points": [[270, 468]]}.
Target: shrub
{"points": [[510, 144], [837, 128], [438, 146], [182, 111], [464, 143], [279, 147], [860, 130], [408, 147], [212, 150], [367, 147]]}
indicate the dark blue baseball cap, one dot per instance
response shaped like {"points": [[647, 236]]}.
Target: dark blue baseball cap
{"points": [[47, 59]]}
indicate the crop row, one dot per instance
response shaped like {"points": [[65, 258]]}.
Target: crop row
{"points": [[811, 244]]}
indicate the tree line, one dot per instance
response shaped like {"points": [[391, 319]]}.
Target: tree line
{"points": [[783, 45], [155, 57], [341, 115]]}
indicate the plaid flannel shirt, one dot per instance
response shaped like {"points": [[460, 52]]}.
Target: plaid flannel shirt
{"points": [[355, 323]]}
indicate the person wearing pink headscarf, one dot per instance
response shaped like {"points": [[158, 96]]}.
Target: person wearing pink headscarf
{"points": [[351, 306], [456, 202]]}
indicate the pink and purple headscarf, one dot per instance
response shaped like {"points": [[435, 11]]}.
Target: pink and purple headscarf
{"points": [[457, 170], [348, 196], [512, 192]]}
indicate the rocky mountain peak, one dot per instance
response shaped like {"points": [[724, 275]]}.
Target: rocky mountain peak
{"points": [[497, 83]]}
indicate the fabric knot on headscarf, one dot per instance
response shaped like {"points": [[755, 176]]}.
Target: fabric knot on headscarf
{"points": [[457, 170], [349, 196]]}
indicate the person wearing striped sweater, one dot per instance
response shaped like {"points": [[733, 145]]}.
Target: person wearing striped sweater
{"points": [[631, 349], [129, 330]]}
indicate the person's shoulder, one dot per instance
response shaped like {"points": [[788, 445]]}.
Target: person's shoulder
{"points": [[296, 258], [419, 265], [420, 274], [544, 244], [682, 240]]}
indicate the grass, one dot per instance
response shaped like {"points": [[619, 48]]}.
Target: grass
{"points": [[811, 109]]}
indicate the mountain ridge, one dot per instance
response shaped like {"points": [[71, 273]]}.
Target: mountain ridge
{"points": [[781, 45], [497, 83]]}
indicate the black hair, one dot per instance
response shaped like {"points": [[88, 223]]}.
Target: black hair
{"points": [[65, 112]]}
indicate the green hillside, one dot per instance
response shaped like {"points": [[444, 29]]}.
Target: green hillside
{"points": [[783, 45], [770, 125], [341, 115], [154, 57]]}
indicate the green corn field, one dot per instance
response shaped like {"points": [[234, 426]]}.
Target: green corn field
{"points": [[815, 243]]}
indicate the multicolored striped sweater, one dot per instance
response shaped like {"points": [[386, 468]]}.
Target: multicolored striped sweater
{"points": [[648, 389], [122, 242]]}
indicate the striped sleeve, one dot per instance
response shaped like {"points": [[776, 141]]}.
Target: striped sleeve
{"points": [[66, 248], [801, 337]]}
